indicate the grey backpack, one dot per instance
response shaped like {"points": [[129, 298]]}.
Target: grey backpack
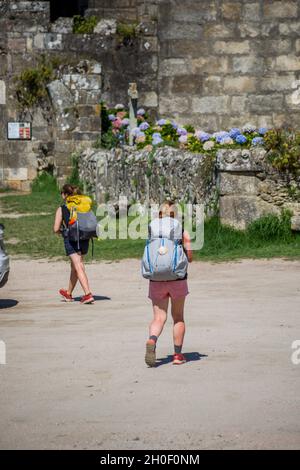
{"points": [[164, 258]]}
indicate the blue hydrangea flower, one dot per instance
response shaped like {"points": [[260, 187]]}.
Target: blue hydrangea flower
{"points": [[141, 112], [234, 132], [156, 135], [135, 131], [262, 130], [181, 131], [144, 125], [240, 139], [125, 122], [161, 122], [257, 141], [226, 140], [203, 136], [221, 136], [174, 125], [157, 140], [111, 117]]}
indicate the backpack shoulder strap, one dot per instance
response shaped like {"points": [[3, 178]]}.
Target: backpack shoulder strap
{"points": [[65, 214]]}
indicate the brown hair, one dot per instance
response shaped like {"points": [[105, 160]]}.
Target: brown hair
{"points": [[70, 190], [168, 209]]}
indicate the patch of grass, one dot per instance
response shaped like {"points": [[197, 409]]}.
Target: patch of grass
{"points": [[267, 237], [28, 203]]}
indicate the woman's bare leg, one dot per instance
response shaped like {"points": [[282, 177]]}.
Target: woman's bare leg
{"points": [[73, 279], [77, 262], [178, 318], [160, 309]]}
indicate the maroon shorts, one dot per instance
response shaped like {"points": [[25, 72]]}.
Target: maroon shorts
{"points": [[174, 289]]}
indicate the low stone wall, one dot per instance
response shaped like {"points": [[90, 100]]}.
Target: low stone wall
{"points": [[249, 187], [144, 177], [239, 184]]}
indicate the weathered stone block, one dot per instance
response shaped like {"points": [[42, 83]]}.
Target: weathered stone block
{"points": [[174, 105], [211, 104], [263, 103], [251, 30], [192, 12], [211, 65], [238, 211], [179, 30], [280, 9], [212, 85], [248, 64], [238, 160], [231, 47], [231, 10], [106, 27], [149, 99], [233, 183], [275, 46], [18, 45], [217, 30], [251, 11], [287, 62], [62, 25], [186, 84], [239, 104], [2, 92], [277, 83], [289, 29], [241, 84], [169, 67]]}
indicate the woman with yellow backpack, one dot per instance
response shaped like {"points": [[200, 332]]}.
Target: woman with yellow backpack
{"points": [[77, 224]]}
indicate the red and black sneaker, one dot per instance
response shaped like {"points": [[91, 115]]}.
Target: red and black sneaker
{"points": [[178, 359], [87, 299], [65, 295]]}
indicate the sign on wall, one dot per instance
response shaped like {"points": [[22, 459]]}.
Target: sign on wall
{"points": [[19, 130]]}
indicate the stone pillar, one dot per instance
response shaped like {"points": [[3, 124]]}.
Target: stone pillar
{"points": [[75, 98]]}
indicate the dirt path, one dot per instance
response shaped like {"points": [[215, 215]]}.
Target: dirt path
{"points": [[75, 375]]}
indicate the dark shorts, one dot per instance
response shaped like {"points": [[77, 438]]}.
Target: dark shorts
{"points": [[72, 247]]}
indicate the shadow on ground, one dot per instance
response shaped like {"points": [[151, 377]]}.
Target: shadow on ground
{"points": [[192, 356], [96, 297], [8, 303]]}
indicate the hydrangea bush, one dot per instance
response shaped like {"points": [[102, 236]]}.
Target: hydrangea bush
{"points": [[167, 132]]}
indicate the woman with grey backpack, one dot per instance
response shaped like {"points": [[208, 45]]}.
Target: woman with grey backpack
{"points": [[165, 262]]}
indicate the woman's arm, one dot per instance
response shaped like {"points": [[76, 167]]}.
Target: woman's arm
{"points": [[187, 245], [58, 221]]}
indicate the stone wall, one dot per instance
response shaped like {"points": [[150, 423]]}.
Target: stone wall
{"points": [[151, 178], [212, 63], [224, 63], [26, 34], [249, 187], [239, 185]]}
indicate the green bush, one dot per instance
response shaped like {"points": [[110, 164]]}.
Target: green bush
{"points": [[126, 32], [82, 25], [44, 183], [74, 177], [31, 88], [271, 227], [283, 146]]}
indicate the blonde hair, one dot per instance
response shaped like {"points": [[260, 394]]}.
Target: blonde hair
{"points": [[168, 209]]}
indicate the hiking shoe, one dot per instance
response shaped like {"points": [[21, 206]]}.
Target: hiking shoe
{"points": [[66, 296], [178, 359], [150, 357], [87, 299]]}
